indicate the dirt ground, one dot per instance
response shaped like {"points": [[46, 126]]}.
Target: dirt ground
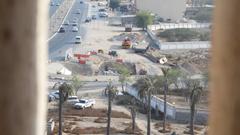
{"points": [[120, 120], [102, 36]]}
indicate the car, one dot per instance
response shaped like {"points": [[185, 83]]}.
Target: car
{"points": [[78, 40], [78, 11], [55, 94], [88, 19], [102, 10], [58, 4], [93, 6], [50, 98], [72, 100], [52, 3], [103, 14], [94, 17], [75, 19], [74, 24], [75, 29], [81, 2], [61, 30], [66, 22], [84, 103]]}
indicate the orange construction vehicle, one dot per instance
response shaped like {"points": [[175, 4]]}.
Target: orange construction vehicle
{"points": [[126, 44]]}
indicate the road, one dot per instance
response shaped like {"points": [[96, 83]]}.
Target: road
{"points": [[63, 41], [54, 7]]}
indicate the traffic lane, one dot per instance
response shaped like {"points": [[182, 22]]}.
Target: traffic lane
{"points": [[53, 7], [62, 41]]}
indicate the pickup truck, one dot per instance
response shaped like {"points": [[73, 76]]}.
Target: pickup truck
{"points": [[84, 103]]}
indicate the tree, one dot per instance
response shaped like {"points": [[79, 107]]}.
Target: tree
{"points": [[76, 83], [64, 91], [195, 93], [112, 92], [144, 19], [123, 76], [114, 4], [133, 114], [146, 88], [170, 77]]}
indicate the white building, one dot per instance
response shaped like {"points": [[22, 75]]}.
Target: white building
{"points": [[166, 9]]}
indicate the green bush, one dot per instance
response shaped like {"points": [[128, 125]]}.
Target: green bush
{"points": [[183, 34]]}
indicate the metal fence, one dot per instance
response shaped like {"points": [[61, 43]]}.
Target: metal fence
{"points": [[185, 45], [165, 26]]}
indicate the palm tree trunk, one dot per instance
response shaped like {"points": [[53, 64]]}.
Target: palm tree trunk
{"points": [[133, 112], [149, 114], [122, 86], [109, 113], [60, 114], [192, 119], [165, 106]]}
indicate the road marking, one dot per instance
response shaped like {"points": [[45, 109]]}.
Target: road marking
{"points": [[62, 22]]}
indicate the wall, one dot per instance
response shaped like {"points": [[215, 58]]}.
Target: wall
{"points": [[167, 9], [181, 115]]}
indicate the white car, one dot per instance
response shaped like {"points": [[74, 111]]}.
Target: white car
{"points": [[78, 11], [103, 14], [74, 24], [66, 22], [72, 100], [55, 94], [78, 40], [84, 103], [75, 29]]}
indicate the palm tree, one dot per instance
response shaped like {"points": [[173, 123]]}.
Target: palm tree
{"points": [[145, 87], [170, 77], [112, 92], [133, 114], [64, 90]]}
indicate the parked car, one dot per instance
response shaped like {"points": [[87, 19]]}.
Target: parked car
{"points": [[74, 24], [61, 30], [52, 4], [103, 14], [58, 4], [102, 10], [72, 100], [75, 29], [55, 94], [78, 11], [84, 103], [88, 19], [81, 2], [94, 17], [50, 98], [78, 40], [66, 22]]}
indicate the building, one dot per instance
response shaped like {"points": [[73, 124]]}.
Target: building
{"points": [[171, 10]]}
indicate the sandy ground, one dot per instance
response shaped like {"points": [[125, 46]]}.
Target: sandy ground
{"points": [[97, 37], [141, 119]]}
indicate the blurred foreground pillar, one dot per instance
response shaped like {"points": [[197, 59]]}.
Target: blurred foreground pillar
{"points": [[225, 69], [23, 25]]}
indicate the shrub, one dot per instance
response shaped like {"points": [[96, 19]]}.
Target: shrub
{"points": [[183, 34]]}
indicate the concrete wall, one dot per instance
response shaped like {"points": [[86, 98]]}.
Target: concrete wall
{"points": [[167, 9]]}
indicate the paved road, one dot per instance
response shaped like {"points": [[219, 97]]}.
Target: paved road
{"points": [[54, 7], [63, 41]]}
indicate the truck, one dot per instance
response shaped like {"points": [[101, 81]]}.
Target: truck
{"points": [[84, 103]]}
